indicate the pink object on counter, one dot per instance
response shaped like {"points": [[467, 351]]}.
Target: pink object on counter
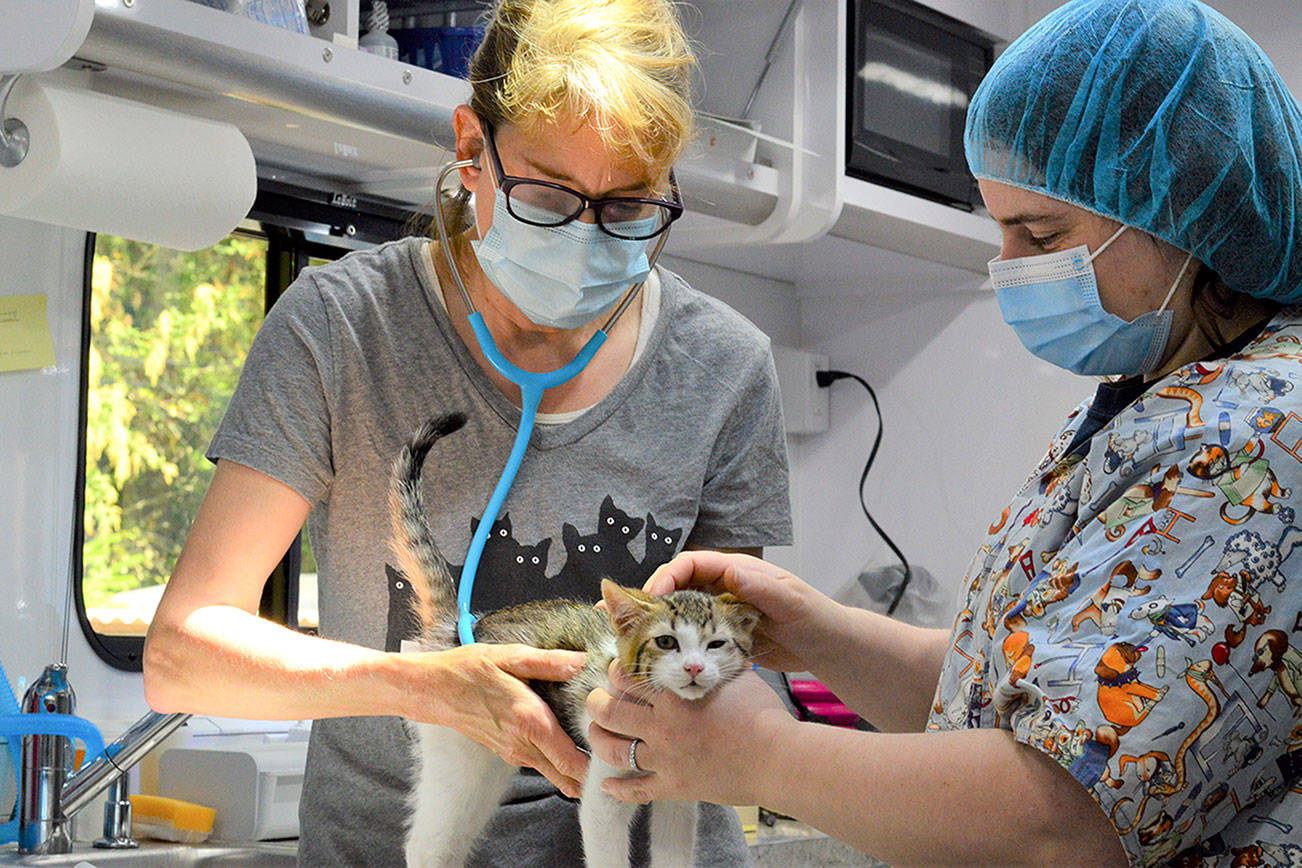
{"points": [[812, 691], [817, 700]]}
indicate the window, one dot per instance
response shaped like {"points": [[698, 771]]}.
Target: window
{"points": [[168, 333], [165, 336]]}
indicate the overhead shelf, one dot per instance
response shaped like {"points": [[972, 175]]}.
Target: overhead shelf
{"points": [[362, 123]]}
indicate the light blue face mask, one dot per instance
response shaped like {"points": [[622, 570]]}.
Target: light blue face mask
{"points": [[560, 276], [1052, 303]]}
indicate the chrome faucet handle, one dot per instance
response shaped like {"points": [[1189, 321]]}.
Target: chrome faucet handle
{"points": [[117, 816], [48, 793]]}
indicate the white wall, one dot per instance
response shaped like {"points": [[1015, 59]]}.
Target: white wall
{"points": [[967, 413], [38, 472]]}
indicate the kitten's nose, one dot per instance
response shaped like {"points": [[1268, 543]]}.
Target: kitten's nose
{"points": [[693, 669]]}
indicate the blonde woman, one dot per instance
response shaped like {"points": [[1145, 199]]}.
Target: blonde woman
{"points": [[670, 438]]}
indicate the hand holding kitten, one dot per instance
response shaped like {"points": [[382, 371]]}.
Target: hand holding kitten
{"points": [[482, 692], [711, 749]]}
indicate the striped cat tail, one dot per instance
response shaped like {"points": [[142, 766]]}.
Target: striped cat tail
{"points": [[434, 593]]}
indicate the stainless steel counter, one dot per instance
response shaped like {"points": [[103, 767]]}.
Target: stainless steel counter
{"points": [[161, 854]]}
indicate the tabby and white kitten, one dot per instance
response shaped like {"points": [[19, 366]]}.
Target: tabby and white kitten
{"points": [[687, 641]]}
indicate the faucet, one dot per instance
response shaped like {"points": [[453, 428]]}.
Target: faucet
{"points": [[48, 797]]}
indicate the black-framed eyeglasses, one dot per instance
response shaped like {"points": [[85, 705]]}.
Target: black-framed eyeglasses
{"points": [[546, 203]]}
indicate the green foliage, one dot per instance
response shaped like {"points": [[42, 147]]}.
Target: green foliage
{"points": [[169, 332]]}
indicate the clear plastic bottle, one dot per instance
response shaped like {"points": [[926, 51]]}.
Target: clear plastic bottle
{"points": [[377, 39]]}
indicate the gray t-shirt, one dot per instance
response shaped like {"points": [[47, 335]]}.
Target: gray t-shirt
{"points": [[687, 448]]}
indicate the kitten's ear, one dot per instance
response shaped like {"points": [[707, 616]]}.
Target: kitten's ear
{"points": [[744, 615], [569, 535], [505, 522], [474, 525], [544, 545], [624, 605]]}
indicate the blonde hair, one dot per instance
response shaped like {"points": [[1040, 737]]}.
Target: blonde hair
{"points": [[623, 65]]}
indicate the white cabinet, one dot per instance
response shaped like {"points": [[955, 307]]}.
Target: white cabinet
{"points": [[804, 103]]}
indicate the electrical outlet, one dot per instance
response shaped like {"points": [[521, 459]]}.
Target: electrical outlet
{"points": [[804, 402]]}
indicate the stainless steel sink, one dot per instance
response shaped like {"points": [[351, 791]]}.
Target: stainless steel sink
{"points": [[159, 854]]}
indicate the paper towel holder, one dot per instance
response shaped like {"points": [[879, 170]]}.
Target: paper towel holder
{"points": [[15, 139], [43, 37]]}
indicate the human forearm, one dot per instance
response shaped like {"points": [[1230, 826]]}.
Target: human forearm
{"points": [[224, 661], [883, 669], [960, 798]]}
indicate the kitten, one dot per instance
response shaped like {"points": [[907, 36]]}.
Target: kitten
{"points": [[686, 641]]}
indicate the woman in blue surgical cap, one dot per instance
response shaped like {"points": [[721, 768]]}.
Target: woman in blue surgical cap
{"points": [[1123, 682]]}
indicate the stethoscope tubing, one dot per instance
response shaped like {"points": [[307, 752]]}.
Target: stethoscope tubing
{"points": [[532, 386]]}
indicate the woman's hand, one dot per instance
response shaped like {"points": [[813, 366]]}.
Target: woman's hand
{"points": [[480, 690], [796, 616], [713, 749]]}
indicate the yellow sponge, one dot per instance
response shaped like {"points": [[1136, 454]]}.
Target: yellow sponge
{"points": [[170, 819]]}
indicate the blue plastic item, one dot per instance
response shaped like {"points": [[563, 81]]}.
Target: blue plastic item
{"points": [[443, 49], [532, 387], [1161, 114], [9, 706], [14, 726]]}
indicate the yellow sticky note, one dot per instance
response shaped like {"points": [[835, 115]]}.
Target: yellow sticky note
{"points": [[24, 333]]}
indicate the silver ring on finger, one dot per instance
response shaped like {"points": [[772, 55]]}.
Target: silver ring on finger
{"points": [[632, 755]]}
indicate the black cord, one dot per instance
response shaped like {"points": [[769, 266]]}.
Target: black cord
{"points": [[826, 379]]}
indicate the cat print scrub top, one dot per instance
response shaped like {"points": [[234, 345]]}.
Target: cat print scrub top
{"points": [[1135, 612]]}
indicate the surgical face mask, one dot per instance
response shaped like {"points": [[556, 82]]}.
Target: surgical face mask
{"points": [[560, 276], [1052, 303]]}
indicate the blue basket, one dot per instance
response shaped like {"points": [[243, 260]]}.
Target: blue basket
{"points": [[443, 49]]}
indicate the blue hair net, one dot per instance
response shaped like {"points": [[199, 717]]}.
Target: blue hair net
{"points": [[1161, 114]]}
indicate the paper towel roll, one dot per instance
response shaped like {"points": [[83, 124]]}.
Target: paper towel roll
{"points": [[110, 165]]}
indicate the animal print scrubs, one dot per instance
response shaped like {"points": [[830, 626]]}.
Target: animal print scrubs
{"points": [[1134, 612]]}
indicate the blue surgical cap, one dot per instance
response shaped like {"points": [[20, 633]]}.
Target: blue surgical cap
{"points": [[1161, 114]]}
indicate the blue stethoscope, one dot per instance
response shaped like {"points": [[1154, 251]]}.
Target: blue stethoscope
{"points": [[532, 385]]}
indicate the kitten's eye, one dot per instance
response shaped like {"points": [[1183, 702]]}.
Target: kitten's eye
{"points": [[666, 643], [595, 548], [624, 529], [610, 519], [519, 559], [502, 532], [716, 644], [582, 547], [535, 559], [654, 537], [399, 585]]}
